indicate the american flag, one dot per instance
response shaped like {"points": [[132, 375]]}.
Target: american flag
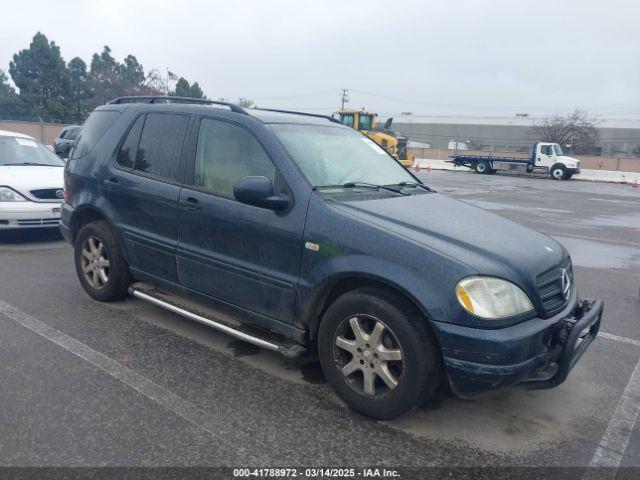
{"points": [[173, 76]]}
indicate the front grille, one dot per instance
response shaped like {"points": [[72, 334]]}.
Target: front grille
{"points": [[550, 288], [47, 193]]}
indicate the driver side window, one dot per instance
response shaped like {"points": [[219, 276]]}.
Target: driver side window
{"points": [[545, 149], [226, 153]]}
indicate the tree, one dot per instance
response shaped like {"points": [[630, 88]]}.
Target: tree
{"points": [[104, 76], [195, 91], [11, 105], [80, 89], [183, 89], [245, 102], [41, 75], [130, 76], [575, 130]]}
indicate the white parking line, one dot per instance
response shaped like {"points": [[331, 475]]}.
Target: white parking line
{"points": [[616, 437], [617, 338], [141, 384]]}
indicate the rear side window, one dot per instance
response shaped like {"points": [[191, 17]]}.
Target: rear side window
{"points": [[161, 144], [127, 152], [94, 128]]}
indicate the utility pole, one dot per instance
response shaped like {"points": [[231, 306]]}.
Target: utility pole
{"points": [[344, 97]]}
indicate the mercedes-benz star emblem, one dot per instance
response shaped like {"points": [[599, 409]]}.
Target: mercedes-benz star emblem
{"points": [[59, 194], [566, 283]]}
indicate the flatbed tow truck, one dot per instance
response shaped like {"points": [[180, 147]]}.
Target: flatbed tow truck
{"points": [[546, 159]]}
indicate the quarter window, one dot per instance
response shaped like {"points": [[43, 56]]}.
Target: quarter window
{"points": [[94, 128], [160, 145], [127, 152], [225, 154]]}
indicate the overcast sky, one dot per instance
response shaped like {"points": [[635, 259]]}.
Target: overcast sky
{"points": [[467, 57]]}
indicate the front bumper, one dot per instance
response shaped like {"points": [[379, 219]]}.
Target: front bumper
{"points": [[538, 353], [19, 215]]}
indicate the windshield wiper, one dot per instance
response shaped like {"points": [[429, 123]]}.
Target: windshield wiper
{"points": [[373, 185], [364, 185], [20, 164], [416, 184]]}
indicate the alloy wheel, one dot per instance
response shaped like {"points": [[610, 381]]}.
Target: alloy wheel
{"points": [[95, 262], [368, 354]]}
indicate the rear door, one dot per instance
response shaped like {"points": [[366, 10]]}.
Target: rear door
{"points": [[243, 255], [143, 187]]}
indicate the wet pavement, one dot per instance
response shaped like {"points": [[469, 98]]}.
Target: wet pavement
{"points": [[178, 393]]}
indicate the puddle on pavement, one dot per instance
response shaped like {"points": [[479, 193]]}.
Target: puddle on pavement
{"points": [[587, 253], [627, 220], [243, 349], [507, 420], [495, 206], [312, 372]]}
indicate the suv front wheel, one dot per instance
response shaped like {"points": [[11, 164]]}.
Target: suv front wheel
{"points": [[100, 264], [378, 353]]}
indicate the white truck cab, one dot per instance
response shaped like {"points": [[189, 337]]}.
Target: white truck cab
{"points": [[550, 155]]}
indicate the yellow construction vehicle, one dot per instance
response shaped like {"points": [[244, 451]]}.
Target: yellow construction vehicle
{"points": [[391, 141]]}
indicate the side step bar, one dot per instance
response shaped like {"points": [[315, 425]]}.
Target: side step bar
{"points": [[284, 346]]}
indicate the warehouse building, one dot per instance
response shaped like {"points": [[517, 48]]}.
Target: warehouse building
{"points": [[507, 134]]}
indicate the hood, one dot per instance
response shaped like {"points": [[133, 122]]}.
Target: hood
{"points": [[486, 242], [569, 161], [31, 177]]}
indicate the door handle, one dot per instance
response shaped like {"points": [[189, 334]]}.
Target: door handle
{"points": [[191, 204], [111, 184]]}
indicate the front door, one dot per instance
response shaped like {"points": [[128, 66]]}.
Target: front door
{"points": [[243, 255], [143, 189], [544, 156]]}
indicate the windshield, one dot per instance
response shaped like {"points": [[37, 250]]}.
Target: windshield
{"points": [[335, 156], [25, 151], [347, 119], [557, 149], [364, 122]]}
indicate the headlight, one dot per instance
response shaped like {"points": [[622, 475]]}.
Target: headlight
{"points": [[492, 298], [8, 195]]}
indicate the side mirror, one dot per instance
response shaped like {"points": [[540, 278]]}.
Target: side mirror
{"points": [[258, 191]]}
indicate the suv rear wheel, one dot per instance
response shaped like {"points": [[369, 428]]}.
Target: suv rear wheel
{"points": [[100, 265], [378, 353]]}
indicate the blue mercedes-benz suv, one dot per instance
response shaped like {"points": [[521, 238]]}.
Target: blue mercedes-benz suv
{"points": [[298, 234]]}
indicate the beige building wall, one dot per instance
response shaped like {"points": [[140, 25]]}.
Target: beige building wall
{"points": [[45, 132]]}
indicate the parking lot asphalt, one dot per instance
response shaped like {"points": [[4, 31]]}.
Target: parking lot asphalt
{"points": [[91, 384]]}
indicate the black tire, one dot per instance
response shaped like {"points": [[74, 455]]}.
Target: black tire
{"points": [[118, 276], [482, 167], [419, 371], [557, 172]]}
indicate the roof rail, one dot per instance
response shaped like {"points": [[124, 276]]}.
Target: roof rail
{"points": [[327, 117], [171, 99]]}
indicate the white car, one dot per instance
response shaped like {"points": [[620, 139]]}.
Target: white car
{"points": [[31, 183]]}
